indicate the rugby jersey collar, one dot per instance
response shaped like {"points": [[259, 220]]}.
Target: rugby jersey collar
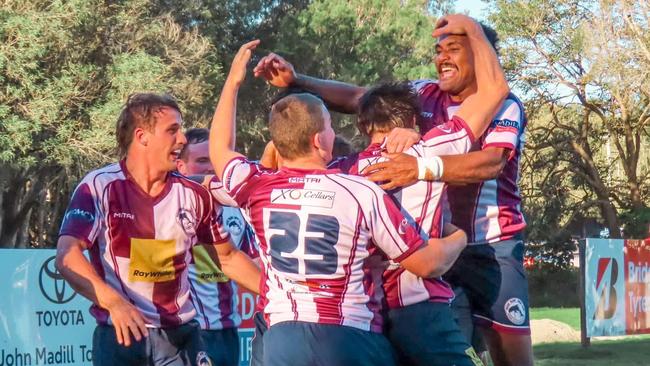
{"points": [[295, 171], [140, 191]]}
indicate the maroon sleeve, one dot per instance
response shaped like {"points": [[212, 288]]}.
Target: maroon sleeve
{"points": [[80, 220]]}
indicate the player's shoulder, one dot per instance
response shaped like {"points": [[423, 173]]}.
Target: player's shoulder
{"points": [[103, 176], [511, 114], [425, 86], [356, 185]]}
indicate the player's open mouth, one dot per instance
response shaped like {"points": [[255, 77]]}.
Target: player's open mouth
{"points": [[175, 154], [447, 71]]}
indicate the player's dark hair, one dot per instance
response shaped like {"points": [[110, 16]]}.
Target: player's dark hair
{"points": [[342, 147], [293, 121], [491, 35], [387, 106], [140, 111], [194, 136]]}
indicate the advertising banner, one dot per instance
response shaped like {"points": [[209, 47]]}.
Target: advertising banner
{"points": [[617, 287], [43, 321]]}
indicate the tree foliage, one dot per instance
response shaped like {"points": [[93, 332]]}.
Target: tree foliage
{"points": [[66, 68], [582, 68]]}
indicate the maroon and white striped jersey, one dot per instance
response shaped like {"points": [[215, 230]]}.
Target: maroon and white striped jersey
{"points": [[422, 203], [489, 211], [214, 295], [141, 245], [322, 234]]}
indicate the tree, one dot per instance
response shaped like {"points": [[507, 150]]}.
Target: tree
{"points": [[585, 133], [66, 67]]}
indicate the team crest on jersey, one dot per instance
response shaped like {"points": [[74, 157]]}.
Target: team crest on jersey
{"points": [[515, 311], [402, 227], [185, 219], [202, 359], [234, 225]]}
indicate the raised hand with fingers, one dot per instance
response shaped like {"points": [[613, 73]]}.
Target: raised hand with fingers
{"points": [[276, 70], [398, 171], [457, 24], [400, 139], [237, 72]]}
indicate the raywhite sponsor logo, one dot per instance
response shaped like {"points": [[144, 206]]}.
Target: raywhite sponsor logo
{"points": [[303, 197]]}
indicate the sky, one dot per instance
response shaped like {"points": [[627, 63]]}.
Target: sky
{"points": [[475, 8]]}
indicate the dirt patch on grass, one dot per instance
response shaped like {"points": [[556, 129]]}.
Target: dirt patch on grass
{"points": [[551, 331]]}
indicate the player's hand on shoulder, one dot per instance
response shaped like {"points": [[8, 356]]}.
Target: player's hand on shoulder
{"points": [[276, 70], [237, 72], [398, 171], [127, 320], [458, 24], [400, 139]]}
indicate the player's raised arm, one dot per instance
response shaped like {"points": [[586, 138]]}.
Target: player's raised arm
{"points": [[222, 130], [492, 87], [338, 96]]}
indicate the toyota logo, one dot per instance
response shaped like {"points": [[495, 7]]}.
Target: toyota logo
{"points": [[53, 285]]}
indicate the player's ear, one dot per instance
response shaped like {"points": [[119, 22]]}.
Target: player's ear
{"points": [[181, 166], [140, 136], [317, 140]]}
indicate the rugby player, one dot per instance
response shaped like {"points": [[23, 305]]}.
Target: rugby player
{"points": [[139, 220], [318, 230], [486, 205], [214, 295]]}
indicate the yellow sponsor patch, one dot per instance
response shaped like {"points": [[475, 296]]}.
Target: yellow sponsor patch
{"points": [[207, 270], [152, 260], [473, 356]]}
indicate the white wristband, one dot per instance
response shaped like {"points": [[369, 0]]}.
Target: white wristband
{"points": [[433, 165]]}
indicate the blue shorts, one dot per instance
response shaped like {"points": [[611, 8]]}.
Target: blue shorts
{"points": [[222, 346], [178, 346], [426, 334], [463, 316], [257, 344], [295, 343], [493, 278]]}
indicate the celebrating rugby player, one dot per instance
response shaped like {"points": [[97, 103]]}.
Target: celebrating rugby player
{"points": [[486, 204]]}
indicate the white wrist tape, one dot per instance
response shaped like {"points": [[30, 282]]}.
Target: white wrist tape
{"points": [[433, 165]]}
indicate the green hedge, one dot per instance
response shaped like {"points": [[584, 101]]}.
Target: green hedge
{"points": [[551, 286]]}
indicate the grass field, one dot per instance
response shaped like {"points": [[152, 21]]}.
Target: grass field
{"points": [[602, 352]]}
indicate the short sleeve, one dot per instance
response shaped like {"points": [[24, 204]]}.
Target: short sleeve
{"points": [[81, 219], [451, 138], [391, 231], [507, 127], [219, 193], [238, 179]]}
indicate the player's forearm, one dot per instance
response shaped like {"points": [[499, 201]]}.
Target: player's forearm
{"points": [[490, 78], [77, 270], [223, 130], [479, 109], [474, 167], [338, 96], [445, 251], [241, 269]]}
